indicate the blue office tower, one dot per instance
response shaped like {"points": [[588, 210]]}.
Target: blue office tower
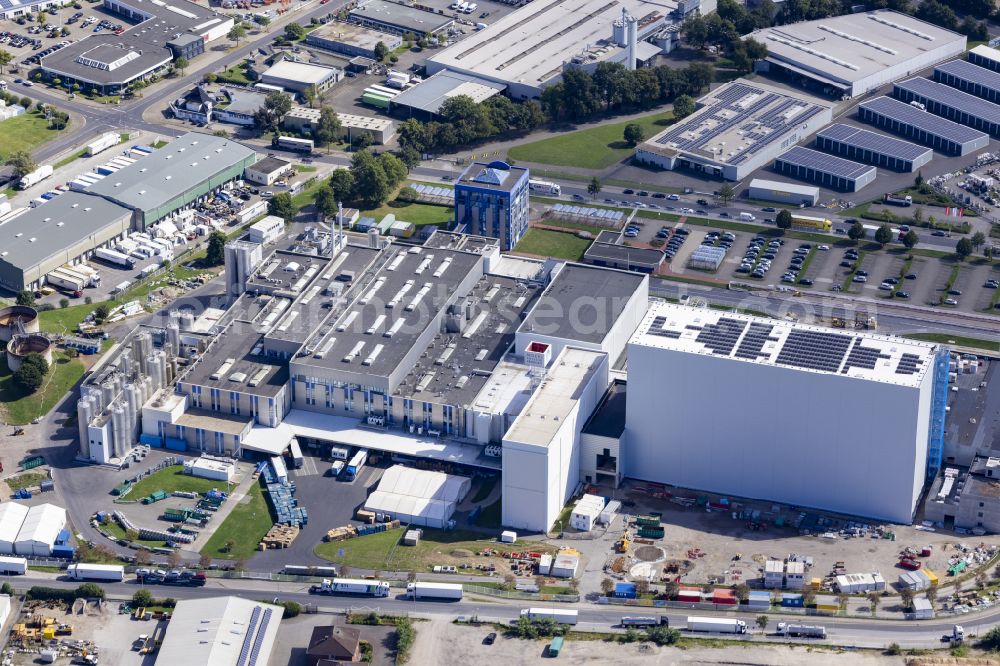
{"points": [[492, 200]]}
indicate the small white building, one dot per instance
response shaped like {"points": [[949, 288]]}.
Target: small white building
{"points": [[609, 512], [795, 575], [922, 609], [586, 512], [564, 566], [267, 170], [210, 468], [267, 230], [860, 583], [790, 193], [4, 608], [41, 527], [544, 564], [11, 518], [774, 574]]}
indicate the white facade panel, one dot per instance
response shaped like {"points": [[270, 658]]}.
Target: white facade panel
{"points": [[768, 432], [11, 518]]}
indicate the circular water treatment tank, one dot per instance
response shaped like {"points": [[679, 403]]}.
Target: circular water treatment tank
{"points": [[22, 345], [16, 319]]}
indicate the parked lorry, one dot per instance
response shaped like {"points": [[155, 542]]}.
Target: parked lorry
{"points": [[114, 257], [371, 588], [107, 572], [65, 280], [957, 635], [560, 615], [449, 591], [808, 631], [13, 565], [36, 176], [717, 625], [894, 200], [103, 143]]}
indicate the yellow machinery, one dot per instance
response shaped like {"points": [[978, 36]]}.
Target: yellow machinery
{"points": [[623, 544]]}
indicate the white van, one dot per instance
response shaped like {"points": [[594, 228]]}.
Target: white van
{"points": [[463, 8], [747, 217], [471, 8], [339, 453]]}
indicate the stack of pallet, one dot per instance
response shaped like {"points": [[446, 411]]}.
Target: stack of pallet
{"points": [[279, 536], [341, 533]]}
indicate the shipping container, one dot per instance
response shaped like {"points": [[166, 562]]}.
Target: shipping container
{"points": [[449, 591], [555, 647], [108, 572], [13, 565], [717, 625], [371, 588], [114, 257]]}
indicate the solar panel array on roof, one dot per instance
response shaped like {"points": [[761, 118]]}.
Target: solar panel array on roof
{"points": [[721, 337], [814, 350], [863, 357], [873, 141], [657, 329], [808, 158], [909, 364], [968, 109], [584, 211], [922, 121], [753, 342], [969, 78]]}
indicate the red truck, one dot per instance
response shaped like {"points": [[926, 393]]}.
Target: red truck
{"points": [[910, 564]]}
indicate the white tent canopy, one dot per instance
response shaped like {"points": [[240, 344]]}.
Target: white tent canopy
{"points": [[418, 496], [11, 518], [40, 529]]}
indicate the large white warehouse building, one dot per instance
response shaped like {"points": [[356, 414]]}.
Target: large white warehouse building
{"points": [[843, 421], [852, 54]]}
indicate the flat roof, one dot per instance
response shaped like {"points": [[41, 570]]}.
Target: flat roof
{"points": [[929, 123], [432, 92], [299, 72], [230, 424], [781, 343], [608, 420], [58, 224], [967, 71], [390, 309], [594, 296], [556, 396], [952, 98], [243, 346], [852, 47], [497, 175], [824, 163], [735, 121], [530, 46], [171, 171], [781, 186], [456, 366], [347, 431], [405, 17], [986, 52], [876, 142], [107, 59], [270, 165], [644, 256], [220, 631], [349, 33], [346, 119]]}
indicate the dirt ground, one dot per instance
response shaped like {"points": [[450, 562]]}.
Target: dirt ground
{"points": [[110, 633], [442, 642]]}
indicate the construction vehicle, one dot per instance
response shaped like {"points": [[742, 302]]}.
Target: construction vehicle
{"points": [[860, 322], [18, 432], [623, 544]]}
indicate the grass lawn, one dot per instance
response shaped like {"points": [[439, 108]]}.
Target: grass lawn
{"points": [[21, 408], [64, 320], [116, 530], [68, 160], [417, 213], [383, 551], [24, 132], [26, 480], [235, 74], [307, 194], [245, 527], [548, 243], [947, 338], [592, 148], [171, 479]]}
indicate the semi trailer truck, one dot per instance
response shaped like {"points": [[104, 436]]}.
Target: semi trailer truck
{"points": [[446, 591], [808, 631], [370, 588], [560, 615], [716, 625]]}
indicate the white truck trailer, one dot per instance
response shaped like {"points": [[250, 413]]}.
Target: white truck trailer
{"points": [[448, 591], [106, 572], [103, 143], [13, 565], [114, 257], [36, 176], [716, 625], [560, 615], [370, 588], [805, 630], [64, 279]]}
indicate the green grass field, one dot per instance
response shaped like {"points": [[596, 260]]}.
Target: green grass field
{"points": [[171, 479], [947, 338], [69, 160], [64, 320], [113, 528], [548, 243], [21, 408], [593, 148], [26, 480], [417, 213], [382, 552], [245, 527], [24, 132]]}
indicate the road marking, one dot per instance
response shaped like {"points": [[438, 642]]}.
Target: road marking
{"points": [[309, 467]]}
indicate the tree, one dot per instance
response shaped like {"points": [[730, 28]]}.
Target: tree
{"points": [[641, 586], [963, 248], [326, 202], [204, 560], [131, 534], [874, 599], [371, 185], [5, 58], [662, 635], [634, 134], [683, 106], [90, 591], [181, 64], [28, 378], [981, 580], [294, 32], [856, 231], [64, 303], [594, 187], [742, 591], [7, 589], [101, 312], [292, 609], [607, 586], [342, 184], [906, 597], [808, 597], [381, 51], [281, 204], [762, 622], [142, 597], [174, 559], [329, 127], [236, 33], [25, 297], [509, 581], [783, 220], [931, 594], [978, 239], [395, 170], [726, 194], [21, 161], [910, 239], [893, 649], [883, 235], [918, 180], [264, 22], [216, 253], [670, 589], [276, 105]]}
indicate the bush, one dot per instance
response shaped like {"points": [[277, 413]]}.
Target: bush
{"points": [[42, 593], [990, 640], [663, 635], [894, 649], [404, 639], [7, 589], [292, 609], [28, 378], [90, 590], [142, 598]]}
